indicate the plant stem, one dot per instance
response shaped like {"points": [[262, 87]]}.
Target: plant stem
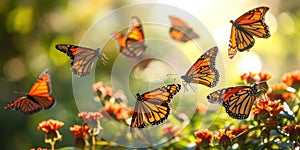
{"points": [[52, 145], [93, 142]]}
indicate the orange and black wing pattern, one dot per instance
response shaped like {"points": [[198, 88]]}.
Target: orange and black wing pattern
{"points": [[250, 24], [180, 31], [38, 97], [238, 101], [203, 71], [132, 44], [83, 58], [153, 106]]}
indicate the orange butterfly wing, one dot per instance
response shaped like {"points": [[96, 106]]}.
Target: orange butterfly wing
{"points": [[245, 27], [83, 58], [38, 97], [133, 43], [203, 71], [180, 31], [237, 101], [153, 107]]}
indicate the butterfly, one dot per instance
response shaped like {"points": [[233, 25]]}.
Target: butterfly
{"points": [[153, 106], [180, 31], [250, 24], [203, 71], [83, 58], [38, 97], [238, 100], [133, 43]]}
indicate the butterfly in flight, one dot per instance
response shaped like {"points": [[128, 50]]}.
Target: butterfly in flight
{"points": [[38, 97], [153, 106], [83, 58], [238, 101], [203, 71], [250, 24], [132, 44], [180, 31]]}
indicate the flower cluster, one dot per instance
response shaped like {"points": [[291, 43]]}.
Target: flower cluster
{"points": [[294, 132], [251, 78], [264, 110], [51, 128], [270, 122], [205, 137], [279, 91], [292, 79], [80, 132], [116, 110]]}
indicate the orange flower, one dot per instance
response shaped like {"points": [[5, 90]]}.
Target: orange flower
{"points": [[238, 130], [224, 137], [80, 132], [293, 130], [50, 125], [249, 77], [120, 112], [39, 148], [171, 130], [252, 78], [292, 79], [275, 107], [98, 86], [51, 128], [264, 109], [279, 91], [204, 139], [104, 93], [261, 109], [91, 118], [264, 76]]}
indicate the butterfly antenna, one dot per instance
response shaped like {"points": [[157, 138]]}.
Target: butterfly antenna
{"points": [[173, 75], [17, 92]]}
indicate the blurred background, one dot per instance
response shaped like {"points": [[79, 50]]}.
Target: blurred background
{"points": [[29, 30]]}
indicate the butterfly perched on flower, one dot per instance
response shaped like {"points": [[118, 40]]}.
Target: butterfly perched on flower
{"points": [[180, 31], [132, 44], [38, 97], [238, 101], [203, 71], [153, 106], [83, 58], [250, 24]]}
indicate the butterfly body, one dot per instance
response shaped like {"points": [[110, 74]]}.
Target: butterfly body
{"points": [[153, 106], [132, 44], [237, 101], [250, 24], [203, 71], [83, 58], [38, 97]]}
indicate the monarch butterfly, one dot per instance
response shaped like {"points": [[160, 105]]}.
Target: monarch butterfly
{"points": [[180, 31], [237, 100], [153, 106], [133, 43], [38, 97], [250, 24], [83, 58], [203, 71]]}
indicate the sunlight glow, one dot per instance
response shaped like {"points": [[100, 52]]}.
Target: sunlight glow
{"points": [[249, 63]]}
